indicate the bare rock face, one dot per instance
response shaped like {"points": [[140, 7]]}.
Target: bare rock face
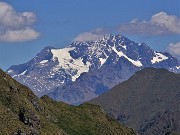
{"points": [[29, 118]]}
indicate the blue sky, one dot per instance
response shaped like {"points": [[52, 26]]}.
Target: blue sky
{"points": [[59, 22]]}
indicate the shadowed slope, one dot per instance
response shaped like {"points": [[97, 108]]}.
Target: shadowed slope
{"points": [[148, 102]]}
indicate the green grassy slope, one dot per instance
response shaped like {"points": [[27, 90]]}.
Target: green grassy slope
{"points": [[21, 112]]}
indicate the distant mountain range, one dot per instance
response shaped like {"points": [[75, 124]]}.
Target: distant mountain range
{"points": [[22, 113], [148, 102], [84, 70]]}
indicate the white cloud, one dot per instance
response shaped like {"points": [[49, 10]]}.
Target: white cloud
{"points": [[174, 49], [159, 24], [87, 36], [171, 22], [90, 36], [19, 35], [14, 26]]}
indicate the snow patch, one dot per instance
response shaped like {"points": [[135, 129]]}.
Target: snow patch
{"points": [[44, 61], [125, 47], [23, 73], [136, 63], [14, 76], [68, 63], [10, 71], [158, 58], [102, 60], [178, 67], [120, 54]]}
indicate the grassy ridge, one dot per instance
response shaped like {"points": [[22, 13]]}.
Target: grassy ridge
{"points": [[22, 112]]}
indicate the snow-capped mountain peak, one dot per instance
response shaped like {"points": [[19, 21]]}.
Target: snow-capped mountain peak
{"points": [[54, 68]]}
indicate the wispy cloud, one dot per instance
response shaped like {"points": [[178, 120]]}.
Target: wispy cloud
{"points": [[14, 26], [174, 49], [92, 35], [159, 24]]}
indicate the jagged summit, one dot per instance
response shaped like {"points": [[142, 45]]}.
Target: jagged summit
{"points": [[104, 41], [54, 68]]}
